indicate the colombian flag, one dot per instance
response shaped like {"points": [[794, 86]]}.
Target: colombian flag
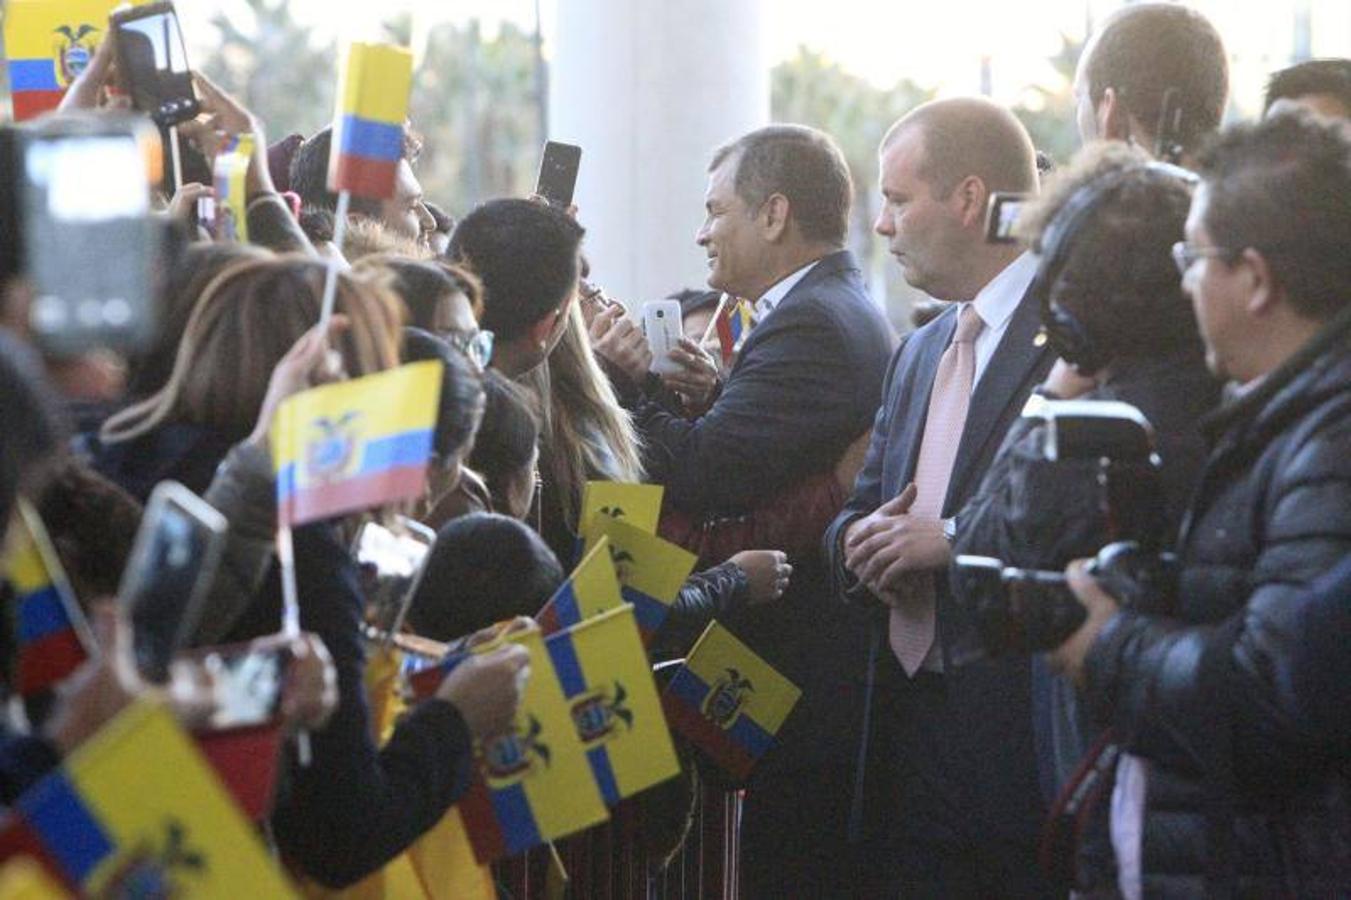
{"points": [[135, 811], [48, 43], [231, 167], [534, 785], [590, 590], [52, 635], [637, 504], [651, 571], [727, 701], [355, 444], [603, 669], [734, 323], [368, 124]]}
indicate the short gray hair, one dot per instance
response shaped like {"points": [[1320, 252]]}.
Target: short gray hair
{"points": [[805, 166]]}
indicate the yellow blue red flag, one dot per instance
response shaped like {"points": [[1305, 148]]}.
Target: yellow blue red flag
{"points": [[734, 323], [605, 675], [48, 43], [51, 634], [637, 504], [728, 701], [590, 590], [534, 784], [228, 174], [136, 811], [650, 570], [368, 123], [355, 444]]}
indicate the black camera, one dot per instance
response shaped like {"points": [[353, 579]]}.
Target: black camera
{"points": [[1032, 611], [1021, 610]]}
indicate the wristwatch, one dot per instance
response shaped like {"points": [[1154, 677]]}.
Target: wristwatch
{"points": [[950, 529]]}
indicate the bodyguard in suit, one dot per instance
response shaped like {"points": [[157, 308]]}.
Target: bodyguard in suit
{"points": [[954, 740], [804, 386]]}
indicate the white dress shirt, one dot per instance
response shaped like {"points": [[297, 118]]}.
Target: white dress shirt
{"points": [[770, 299], [995, 305]]}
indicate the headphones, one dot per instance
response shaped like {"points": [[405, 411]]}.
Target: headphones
{"points": [[1068, 336]]}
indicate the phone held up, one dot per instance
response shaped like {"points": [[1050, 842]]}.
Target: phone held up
{"points": [[558, 173]]}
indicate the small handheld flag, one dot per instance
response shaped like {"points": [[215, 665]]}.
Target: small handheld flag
{"points": [[590, 590], [534, 784], [734, 324], [372, 104], [355, 444], [52, 635], [136, 811], [603, 669], [650, 570], [728, 701], [637, 504], [228, 173], [48, 43]]}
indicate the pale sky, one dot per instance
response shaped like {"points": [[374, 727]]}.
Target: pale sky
{"points": [[937, 43]]}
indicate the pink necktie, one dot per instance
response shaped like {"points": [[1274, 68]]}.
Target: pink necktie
{"points": [[911, 630]]}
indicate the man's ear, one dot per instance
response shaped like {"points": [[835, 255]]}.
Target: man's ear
{"points": [[971, 199], [1266, 292], [1114, 122], [774, 218]]}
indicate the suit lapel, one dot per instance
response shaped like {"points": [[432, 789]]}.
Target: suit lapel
{"points": [[1013, 361], [826, 266]]}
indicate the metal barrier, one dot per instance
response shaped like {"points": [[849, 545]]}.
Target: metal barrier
{"points": [[611, 862]]}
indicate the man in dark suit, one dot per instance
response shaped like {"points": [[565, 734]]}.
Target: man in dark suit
{"points": [[954, 741], [805, 385]]}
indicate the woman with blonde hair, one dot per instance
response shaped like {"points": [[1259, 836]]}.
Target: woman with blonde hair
{"points": [[242, 325]]}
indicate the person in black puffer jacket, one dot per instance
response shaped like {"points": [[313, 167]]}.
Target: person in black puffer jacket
{"points": [[1105, 227], [1226, 787]]}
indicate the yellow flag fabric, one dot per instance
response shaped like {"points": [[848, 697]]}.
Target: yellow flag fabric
{"points": [[232, 205], [374, 83], [534, 784], [637, 504], [383, 690], [591, 589], [728, 701], [650, 570], [444, 862], [355, 444], [605, 675], [48, 43], [23, 879], [137, 805]]}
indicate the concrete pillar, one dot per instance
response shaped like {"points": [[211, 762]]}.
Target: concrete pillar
{"points": [[649, 88]]}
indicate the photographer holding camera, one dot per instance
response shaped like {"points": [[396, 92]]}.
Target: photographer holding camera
{"points": [[1225, 786], [1113, 310]]}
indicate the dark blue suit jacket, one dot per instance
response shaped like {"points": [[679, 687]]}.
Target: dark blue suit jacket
{"points": [[805, 385], [984, 761]]}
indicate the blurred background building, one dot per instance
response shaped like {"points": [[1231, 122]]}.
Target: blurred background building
{"points": [[650, 87]]}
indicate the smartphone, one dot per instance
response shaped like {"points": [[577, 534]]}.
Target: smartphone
{"points": [[247, 681], [558, 173], [1002, 217], [83, 182], [173, 562], [152, 62], [664, 328], [389, 563]]}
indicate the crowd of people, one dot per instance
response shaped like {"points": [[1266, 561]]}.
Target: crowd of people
{"points": [[1181, 283]]}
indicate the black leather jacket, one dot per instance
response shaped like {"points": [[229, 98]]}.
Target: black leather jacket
{"points": [[1199, 695], [714, 593]]}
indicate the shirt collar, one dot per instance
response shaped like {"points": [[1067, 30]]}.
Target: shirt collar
{"points": [[770, 299], [1000, 297]]}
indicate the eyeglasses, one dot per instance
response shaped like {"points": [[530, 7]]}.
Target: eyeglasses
{"points": [[1186, 255], [478, 345]]}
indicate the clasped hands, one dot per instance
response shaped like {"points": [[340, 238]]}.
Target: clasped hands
{"points": [[886, 548]]}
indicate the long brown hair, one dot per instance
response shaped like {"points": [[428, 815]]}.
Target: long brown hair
{"points": [[586, 434], [245, 321]]}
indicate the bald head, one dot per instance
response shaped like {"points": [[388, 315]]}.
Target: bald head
{"points": [[966, 136]]}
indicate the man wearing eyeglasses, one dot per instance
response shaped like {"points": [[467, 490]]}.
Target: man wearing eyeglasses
{"points": [[1256, 801]]}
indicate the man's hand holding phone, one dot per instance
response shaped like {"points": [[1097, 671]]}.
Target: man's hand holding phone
{"points": [[696, 379], [615, 338]]}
